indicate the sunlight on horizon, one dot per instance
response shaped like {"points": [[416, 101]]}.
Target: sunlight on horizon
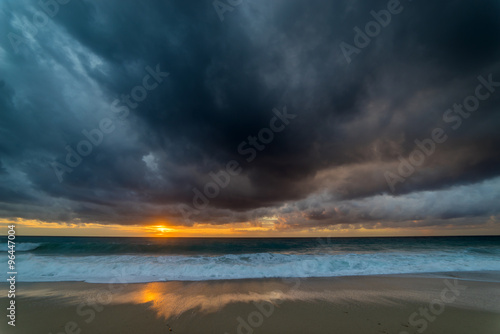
{"points": [[245, 229]]}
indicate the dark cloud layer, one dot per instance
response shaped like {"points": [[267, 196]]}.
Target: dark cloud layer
{"points": [[328, 166]]}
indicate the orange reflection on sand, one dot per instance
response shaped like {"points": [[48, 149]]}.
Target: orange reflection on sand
{"points": [[174, 298], [171, 299]]}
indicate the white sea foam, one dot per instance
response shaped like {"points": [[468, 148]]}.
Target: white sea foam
{"points": [[148, 268]]}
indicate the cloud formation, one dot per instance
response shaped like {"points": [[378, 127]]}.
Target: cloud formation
{"points": [[354, 121]]}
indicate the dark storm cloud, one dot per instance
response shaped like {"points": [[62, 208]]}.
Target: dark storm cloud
{"points": [[354, 120]]}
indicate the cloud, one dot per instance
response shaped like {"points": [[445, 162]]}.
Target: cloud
{"points": [[354, 121]]}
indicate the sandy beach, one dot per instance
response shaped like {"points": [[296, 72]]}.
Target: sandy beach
{"points": [[435, 303]]}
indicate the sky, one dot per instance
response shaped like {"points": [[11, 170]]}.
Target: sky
{"points": [[250, 117]]}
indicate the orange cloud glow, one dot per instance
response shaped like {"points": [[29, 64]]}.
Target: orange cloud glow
{"points": [[245, 229]]}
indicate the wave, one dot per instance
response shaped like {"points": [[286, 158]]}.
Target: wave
{"points": [[21, 246], [159, 247], [143, 268], [87, 246], [484, 250]]}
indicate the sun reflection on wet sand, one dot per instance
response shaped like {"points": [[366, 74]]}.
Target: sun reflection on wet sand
{"points": [[171, 299], [174, 298]]}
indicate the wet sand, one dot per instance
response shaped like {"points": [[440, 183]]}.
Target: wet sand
{"points": [[439, 303]]}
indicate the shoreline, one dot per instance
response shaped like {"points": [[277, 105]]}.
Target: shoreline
{"points": [[354, 304], [492, 276]]}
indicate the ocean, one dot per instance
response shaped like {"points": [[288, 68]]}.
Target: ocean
{"points": [[101, 260]]}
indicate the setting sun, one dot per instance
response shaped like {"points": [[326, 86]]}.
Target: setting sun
{"points": [[161, 230]]}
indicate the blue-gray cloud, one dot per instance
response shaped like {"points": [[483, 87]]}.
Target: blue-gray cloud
{"points": [[354, 121]]}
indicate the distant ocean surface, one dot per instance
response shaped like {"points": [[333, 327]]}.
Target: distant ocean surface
{"points": [[41, 259]]}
